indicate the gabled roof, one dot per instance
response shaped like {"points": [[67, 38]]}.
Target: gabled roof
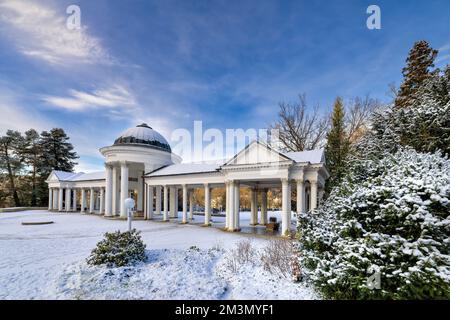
{"points": [[311, 156], [64, 175], [185, 168], [251, 144], [97, 175], [80, 176]]}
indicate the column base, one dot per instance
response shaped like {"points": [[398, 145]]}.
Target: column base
{"points": [[206, 225], [167, 220], [184, 222], [254, 224]]}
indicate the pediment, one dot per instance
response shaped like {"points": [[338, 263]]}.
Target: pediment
{"points": [[256, 153], [52, 177]]}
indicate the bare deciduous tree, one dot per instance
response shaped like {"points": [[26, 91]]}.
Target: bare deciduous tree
{"points": [[357, 116], [300, 129]]}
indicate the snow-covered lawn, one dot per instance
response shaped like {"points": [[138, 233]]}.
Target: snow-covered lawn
{"points": [[184, 262]]}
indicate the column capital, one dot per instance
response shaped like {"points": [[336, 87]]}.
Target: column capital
{"points": [[284, 180], [206, 185], [124, 163], [300, 181]]}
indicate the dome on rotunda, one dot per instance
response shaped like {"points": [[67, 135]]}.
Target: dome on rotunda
{"points": [[143, 135]]}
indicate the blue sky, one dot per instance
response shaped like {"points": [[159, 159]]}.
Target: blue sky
{"points": [[168, 63]]}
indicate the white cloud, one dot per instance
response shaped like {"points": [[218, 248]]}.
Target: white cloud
{"points": [[443, 58], [445, 47], [110, 98], [40, 31]]}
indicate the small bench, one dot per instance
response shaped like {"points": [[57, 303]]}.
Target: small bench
{"points": [[36, 223]]}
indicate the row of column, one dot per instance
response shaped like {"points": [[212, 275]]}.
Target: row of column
{"points": [[115, 199], [155, 195], [232, 203], [68, 202]]}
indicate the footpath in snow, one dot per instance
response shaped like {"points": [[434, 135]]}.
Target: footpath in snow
{"points": [[184, 262]]}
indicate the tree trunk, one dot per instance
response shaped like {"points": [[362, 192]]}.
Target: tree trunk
{"points": [[33, 190], [11, 181]]}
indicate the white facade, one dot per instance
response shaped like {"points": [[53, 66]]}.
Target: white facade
{"points": [[140, 164]]}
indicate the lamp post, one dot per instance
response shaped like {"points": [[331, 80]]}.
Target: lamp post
{"points": [[129, 204]]}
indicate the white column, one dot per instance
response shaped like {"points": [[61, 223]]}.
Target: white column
{"points": [[185, 204], [285, 211], [313, 194], [191, 204], [91, 200], [176, 202], [55, 199], [109, 191], [207, 205], [115, 191], [150, 202], [145, 201], [50, 199], [264, 219], [75, 193], [300, 197], [227, 205], [140, 195], [173, 203], [68, 199], [60, 199], [253, 207], [123, 188], [102, 201], [166, 204], [237, 194], [231, 197], [83, 200], [158, 200]]}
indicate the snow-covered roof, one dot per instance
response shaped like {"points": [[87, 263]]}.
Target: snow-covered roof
{"points": [[185, 168], [80, 176], [311, 156], [97, 175], [64, 175]]}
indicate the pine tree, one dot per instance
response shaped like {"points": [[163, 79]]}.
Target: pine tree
{"points": [[56, 152], [337, 147], [10, 146], [30, 154], [420, 60]]}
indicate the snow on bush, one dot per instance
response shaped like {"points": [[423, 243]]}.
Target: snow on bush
{"points": [[118, 249], [265, 273], [168, 274], [425, 126], [391, 217]]}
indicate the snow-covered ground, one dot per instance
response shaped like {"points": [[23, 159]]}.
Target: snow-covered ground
{"points": [[184, 262]]}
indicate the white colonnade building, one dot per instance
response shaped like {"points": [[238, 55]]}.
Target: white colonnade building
{"points": [[141, 165]]}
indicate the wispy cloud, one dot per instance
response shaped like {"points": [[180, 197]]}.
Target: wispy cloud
{"points": [[39, 31], [443, 57], [110, 98]]}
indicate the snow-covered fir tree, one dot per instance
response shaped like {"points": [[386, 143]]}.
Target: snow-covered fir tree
{"points": [[390, 216]]}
